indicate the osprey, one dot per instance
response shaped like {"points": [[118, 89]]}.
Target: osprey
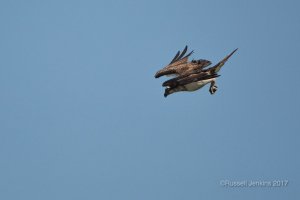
{"points": [[190, 76]]}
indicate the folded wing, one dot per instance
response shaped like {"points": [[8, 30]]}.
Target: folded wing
{"points": [[189, 78], [178, 65]]}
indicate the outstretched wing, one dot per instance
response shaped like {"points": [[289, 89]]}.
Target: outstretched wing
{"points": [[218, 66], [177, 65]]}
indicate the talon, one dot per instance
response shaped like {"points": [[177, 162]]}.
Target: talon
{"points": [[213, 89]]}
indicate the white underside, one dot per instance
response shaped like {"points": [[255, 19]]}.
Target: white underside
{"points": [[197, 85]]}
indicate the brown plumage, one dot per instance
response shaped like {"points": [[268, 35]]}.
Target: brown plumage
{"points": [[198, 74], [181, 66], [192, 75]]}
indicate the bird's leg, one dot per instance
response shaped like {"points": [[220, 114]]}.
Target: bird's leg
{"points": [[213, 87]]}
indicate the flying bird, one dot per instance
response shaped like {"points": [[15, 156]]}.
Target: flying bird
{"points": [[190, 76]]}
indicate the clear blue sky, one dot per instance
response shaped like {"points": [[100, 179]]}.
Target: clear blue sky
{"points": [[82, 116]]}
